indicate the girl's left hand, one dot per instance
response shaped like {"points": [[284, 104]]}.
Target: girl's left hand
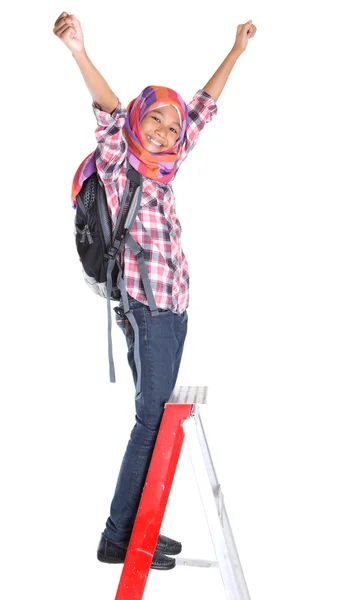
{"points": [[244, 33]]}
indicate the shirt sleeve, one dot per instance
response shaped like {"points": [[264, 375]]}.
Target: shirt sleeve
{"points": [[201, 110], [111, 143]]}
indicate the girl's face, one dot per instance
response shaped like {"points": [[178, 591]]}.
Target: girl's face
{"points": [[160, 129]]}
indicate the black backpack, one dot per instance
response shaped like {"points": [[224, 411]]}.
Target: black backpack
{"points": [[99, 246]]}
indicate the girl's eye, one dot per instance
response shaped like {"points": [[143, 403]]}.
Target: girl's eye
{"points": [[158, 120]]}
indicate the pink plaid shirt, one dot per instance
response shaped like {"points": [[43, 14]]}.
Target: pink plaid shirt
{"points": [[156, 227]]}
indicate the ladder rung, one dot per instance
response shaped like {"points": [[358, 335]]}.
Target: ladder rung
{"points": [[195, 562]]}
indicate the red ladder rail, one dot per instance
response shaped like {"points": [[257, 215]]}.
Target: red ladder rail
{"points": [[153, 502]]}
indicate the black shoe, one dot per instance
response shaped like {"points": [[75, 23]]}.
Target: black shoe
{"points": [[168, 546], [109, 552]]}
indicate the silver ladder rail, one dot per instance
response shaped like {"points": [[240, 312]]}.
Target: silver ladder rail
{"points": [[212, 498]]}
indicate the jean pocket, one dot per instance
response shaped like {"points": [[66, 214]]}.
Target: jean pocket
{"points": [[183, 318], [163, 312]]}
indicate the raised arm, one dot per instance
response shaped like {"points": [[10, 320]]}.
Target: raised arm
{"points": [[215, 85], [69, 30]]}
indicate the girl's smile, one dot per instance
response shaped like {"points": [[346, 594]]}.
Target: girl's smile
{"points": [[152, 141]]}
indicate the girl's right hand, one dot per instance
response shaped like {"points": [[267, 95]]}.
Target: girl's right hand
{"points": [[69, 30]]}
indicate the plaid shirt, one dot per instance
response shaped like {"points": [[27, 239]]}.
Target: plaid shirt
{"points": [[156, 227]]}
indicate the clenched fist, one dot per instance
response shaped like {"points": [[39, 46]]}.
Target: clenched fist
{"points": [[244, 33], [69, 30]]}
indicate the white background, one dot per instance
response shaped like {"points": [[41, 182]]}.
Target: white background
{"points": [[270, 202]]}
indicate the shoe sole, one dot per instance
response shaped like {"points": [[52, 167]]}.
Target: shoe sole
{"points": [[116, 561], [110, 560], [168, 552]]}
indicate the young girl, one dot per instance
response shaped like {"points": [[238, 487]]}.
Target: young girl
{"points": [[154, 133]]}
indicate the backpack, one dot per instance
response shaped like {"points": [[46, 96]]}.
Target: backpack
{"points": [[99, 248]]}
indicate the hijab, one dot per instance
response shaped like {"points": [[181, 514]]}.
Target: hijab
{"points": [[159, 166]]}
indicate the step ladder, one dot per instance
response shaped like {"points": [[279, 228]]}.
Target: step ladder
{"points": [[181, 419]]}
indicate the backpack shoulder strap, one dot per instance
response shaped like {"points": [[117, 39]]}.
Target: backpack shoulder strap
{"points": [[135, 183], [118, 241]]}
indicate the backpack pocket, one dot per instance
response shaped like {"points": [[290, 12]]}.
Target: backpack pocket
{"points": [[91, 252]]}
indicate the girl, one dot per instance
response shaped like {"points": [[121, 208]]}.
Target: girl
{"points": [[154, 133]]}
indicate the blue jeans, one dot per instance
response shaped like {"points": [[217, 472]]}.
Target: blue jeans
{"points": [[161, 347]]}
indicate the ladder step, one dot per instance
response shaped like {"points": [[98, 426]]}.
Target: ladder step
{"points": [[195, 562], [188, 394]]}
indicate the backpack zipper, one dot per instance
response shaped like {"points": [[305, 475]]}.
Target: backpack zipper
{"points": [[86, 233]]}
